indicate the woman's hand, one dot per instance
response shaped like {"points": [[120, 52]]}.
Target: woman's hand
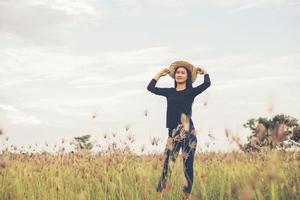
{"points": [[164, 72], [201, 70]]}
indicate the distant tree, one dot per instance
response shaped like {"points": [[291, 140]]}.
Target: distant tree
{"points": [[281, 131], [82, 143]]}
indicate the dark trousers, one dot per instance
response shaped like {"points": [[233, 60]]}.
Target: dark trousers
{"points": [[188, 145]]}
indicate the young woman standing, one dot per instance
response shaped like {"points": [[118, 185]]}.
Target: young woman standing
{"points": [[180, 126]]}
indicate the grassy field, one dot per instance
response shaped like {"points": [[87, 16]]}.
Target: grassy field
{"points": [[122, 175]]}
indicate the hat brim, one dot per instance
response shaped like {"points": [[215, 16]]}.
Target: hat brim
{"points": [[181, 63]]}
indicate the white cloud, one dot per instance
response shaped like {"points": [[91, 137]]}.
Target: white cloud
{"points": [[140, 7], [44, 21], [244, 7], [257, 2], [49, 21], [16, 116], [79, 8], [41, 64], [241, 5], [246, 82]]}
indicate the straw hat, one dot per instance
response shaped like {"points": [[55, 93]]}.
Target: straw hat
{"points": [[186, 64]]}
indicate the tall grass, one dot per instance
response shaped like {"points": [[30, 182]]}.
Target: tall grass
{"points": [[121, 174]]}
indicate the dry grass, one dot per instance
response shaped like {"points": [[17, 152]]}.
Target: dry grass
{"points": [[120, 174]]}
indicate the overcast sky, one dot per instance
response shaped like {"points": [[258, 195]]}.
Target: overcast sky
{"points": [[64, 61]]}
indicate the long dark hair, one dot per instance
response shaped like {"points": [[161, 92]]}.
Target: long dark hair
{"points": [[189, 83]]}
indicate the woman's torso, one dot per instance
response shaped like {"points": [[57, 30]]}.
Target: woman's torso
{"points": [[178, 102]]}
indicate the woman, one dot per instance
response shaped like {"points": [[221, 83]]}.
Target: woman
{"points": [[179, 122]]}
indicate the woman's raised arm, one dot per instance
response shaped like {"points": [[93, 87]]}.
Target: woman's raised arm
{"points": [[200, 88], [156, 90]]}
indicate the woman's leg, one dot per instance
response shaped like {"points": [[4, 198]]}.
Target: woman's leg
{"points": [[188, 154], [171, 151]]}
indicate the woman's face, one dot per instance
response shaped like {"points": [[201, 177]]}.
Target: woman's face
{"points": [[181, 75]]}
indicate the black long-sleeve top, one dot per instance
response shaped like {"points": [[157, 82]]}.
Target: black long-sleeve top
{"points": [[178, 101]]}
